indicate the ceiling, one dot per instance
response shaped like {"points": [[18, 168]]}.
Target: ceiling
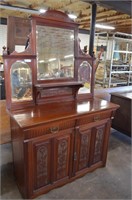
{"points": [[113, 13]]}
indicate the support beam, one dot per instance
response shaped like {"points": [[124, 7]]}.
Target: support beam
{"points": [[92, 28]]}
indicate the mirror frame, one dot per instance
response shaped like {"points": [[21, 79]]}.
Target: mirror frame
{"points": [[56, 19], [8, 62], [59, 19]]}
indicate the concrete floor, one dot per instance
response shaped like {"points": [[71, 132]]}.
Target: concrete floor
{"points": [[112, 182]]}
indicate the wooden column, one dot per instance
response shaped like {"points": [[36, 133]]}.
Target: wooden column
{"points": [[92, 29]]}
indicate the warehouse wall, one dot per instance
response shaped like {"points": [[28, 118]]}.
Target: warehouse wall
{"points": [[84, 40]]}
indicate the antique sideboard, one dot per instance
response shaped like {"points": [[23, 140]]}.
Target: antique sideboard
{"points": [[57, 134]]}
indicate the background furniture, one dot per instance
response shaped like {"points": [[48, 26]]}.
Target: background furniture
{"points": [[122, 120], [121, 62], [5, 129], [2, 89], [115, 68], [105, 93]]}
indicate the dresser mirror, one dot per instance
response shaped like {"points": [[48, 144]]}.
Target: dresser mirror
{"points": [[55, 52], [21, 82], [58, 71]]}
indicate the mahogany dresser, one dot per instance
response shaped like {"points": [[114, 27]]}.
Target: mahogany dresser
{"points": [[57, 134]]}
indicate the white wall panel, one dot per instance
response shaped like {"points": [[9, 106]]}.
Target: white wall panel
{"points": [[84, 40], [3, 37]]}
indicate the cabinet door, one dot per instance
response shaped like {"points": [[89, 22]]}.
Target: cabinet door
{"points": [[100, 139], [49, 160], [63, 154], [42, 163], [82, 149], [91, 143]]}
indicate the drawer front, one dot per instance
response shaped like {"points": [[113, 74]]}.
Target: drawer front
{"points": [[94, 117], [49, 128]]}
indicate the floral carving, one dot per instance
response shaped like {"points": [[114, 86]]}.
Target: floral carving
{"points": [[42, 166], [98, 144], [84, 151], [62, 158]]}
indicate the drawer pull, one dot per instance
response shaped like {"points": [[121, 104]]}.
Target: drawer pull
{"points": [[96, 118], [54, 129], [112, 117]]}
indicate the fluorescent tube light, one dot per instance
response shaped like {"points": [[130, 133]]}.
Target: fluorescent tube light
{"points": [[68, 56], [41, 61], [52, 59], [42, 10], [72, 16], [104, 26]]}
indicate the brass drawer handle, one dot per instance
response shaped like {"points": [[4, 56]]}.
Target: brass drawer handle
{"points": [[54, 129], [96, 118]]}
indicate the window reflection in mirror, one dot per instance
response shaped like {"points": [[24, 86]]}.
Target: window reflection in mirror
{"points": [[84, 75], [21, 81], [55, 52]]}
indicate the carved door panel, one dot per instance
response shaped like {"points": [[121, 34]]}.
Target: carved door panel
{"points": [[82, 149], [50, 159], [91, 144], [42, 163], [63, 154], [100, 143]]}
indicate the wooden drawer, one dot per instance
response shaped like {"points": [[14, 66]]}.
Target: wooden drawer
{"points": [[49, 128], [93, 117]]}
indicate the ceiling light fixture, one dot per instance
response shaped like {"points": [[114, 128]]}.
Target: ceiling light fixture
{"points": [[21, 9], [72, 16], [42, 10], [104, 26], [68, 56], [41, 61], [52, 59]]}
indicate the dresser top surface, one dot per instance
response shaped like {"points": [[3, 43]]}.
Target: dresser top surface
{"points": [[42, 114]]}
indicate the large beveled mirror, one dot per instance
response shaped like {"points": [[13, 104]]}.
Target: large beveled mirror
{"points": [[55, 52]]}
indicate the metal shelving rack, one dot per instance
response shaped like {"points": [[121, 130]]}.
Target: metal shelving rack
{"points": [[102, 39], [121, 73], [118, 67]]}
